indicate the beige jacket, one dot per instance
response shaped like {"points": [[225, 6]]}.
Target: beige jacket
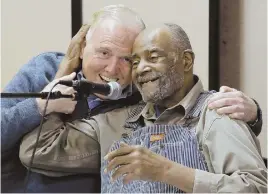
{"points": [[73, 147]]}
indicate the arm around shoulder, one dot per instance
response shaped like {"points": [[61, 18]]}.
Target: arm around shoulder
{"points": [[233, 156], [20, 115], [70, 147]]}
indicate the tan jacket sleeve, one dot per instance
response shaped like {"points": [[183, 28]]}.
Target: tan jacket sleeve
{"points": [[63, 148], [233, 157]]}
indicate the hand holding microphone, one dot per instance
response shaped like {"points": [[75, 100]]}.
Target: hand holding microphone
{"points": [[61, 105], [66, 85]]}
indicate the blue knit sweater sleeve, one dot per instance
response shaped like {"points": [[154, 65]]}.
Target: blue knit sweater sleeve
{"points": [[20, 115]]}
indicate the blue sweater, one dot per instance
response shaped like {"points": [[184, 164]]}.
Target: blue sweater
{"points": [[20, 116]]}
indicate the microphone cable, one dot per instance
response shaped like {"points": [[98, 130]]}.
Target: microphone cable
{"points": [[37, 139]]}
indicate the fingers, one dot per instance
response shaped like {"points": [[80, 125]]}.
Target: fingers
{"points": [[119, 160], [84, 29], [237, 115], [230, 109], [62, 105], [119, 152], [71, 107], [68, 77], [71, 60], [218, 96], [224, 89], [124, 169], [223, 102], [51, 84], [64, 78], [67, 90], [79, 37]]}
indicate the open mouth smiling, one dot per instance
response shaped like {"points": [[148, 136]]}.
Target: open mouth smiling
{"points": [[145, 81], [107, 79]]}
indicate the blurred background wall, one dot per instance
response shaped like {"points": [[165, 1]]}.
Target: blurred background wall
{"points": [[243, 51]]}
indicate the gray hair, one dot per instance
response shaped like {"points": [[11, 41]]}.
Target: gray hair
{"points": [[179, 37], [120, 13]]}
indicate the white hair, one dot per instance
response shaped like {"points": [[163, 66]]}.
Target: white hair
{"points": [[124, 15]]}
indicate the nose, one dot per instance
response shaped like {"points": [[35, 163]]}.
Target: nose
{"points": [[142, 67], [113, 66]]}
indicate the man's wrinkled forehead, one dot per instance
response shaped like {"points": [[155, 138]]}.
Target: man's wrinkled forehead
{"points": [[113, 31], [152, 38]]}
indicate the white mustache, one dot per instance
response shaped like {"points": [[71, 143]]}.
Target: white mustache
{"points": [[148, 77]]}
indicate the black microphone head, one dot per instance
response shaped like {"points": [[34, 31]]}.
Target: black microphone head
{"points": [[115, 91]]}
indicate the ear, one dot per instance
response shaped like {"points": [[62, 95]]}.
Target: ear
{"points": [[188, 59], [83, 45]]}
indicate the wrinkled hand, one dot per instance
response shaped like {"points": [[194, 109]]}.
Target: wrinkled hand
{"points": [[62, 105], [137, 163], [234, 103], [70, 61]]}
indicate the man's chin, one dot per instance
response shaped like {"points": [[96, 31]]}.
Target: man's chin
{"points": [[149, 98]]}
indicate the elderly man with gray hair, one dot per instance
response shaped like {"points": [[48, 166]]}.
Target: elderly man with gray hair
{"points": [[105, 57], [63, 142], [177, 144]]}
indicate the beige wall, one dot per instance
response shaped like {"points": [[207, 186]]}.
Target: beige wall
{"points": [[192, 15], [34, 26], [243, 51], [30, 27]]}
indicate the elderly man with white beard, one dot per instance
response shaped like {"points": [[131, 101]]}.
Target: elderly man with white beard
{"points": [[177, 144]]}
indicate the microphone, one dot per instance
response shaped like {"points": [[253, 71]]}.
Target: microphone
{"points": [[111, 90]]}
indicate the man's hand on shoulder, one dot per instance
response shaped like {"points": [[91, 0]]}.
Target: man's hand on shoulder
{"points": [[234, 103]]}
